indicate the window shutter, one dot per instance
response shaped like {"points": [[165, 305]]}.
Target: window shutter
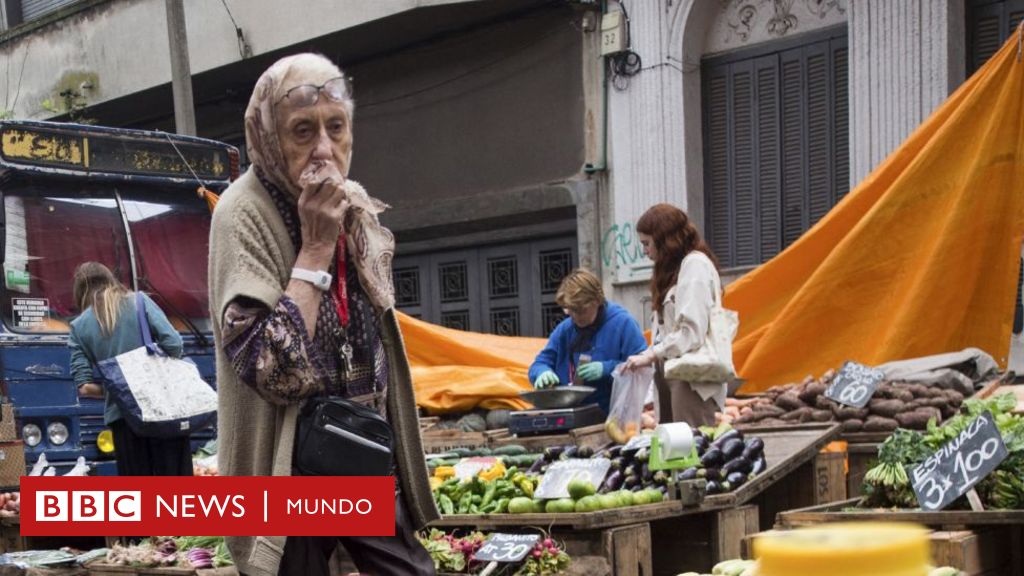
{"points": [[985, 34], [793, 153], [716, 139], [743, 221], [818, 144], [841, 120], [768, 174], [32, 9]]}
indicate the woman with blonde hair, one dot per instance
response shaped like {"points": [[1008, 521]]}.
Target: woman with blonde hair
{"points": [[600, 332], [682, 293], [107, 326]]}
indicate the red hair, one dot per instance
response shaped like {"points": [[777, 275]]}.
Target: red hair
{"points": [[674, 237]]}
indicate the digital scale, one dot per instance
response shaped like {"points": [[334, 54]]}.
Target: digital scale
{"points": [[553, 420]]}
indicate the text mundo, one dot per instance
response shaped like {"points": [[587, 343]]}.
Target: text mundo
{"points": [[242, 506]]}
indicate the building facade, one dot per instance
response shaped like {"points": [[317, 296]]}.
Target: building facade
{"points": [[511, 149]]}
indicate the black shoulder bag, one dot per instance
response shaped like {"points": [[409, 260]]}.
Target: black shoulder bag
{"points": [[338, 437]]}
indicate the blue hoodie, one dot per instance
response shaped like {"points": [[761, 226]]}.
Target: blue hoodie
{"points": [[618, 338]]}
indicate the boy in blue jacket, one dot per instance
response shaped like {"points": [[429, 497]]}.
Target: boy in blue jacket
{"points": [[602, 330]]}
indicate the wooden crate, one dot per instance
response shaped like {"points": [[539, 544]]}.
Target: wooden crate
{"points": [[987, 551], [844, 512], [103, 569], [697, 542], [440, 441], [591, 436]]}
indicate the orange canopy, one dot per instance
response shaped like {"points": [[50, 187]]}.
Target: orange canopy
{"points": [[455, 371], [921, 258]]}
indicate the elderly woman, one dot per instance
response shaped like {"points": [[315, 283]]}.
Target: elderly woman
{"points": [[302, 305], [595, 328]]}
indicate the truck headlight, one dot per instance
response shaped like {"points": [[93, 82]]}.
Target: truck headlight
{"points": [[57, 432], [31, 434]]}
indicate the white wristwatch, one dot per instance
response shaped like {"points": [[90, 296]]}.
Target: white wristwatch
{"points": [[318, 278]]}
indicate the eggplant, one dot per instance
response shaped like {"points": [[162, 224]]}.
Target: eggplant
{"points": [[584, 452], [712, 488], [568, 452], [701, 444], [736, 479], [615, 451], [642, 455], [734, 433], [616, 464], [688, 474], [712, 458], [739, 464], [544, 469], [537, 465], [632, 470], [753, 448], [612, 482], [759, 466], [551, 453], [724, 486], [646, 473], [630, 481], [638, 488], [713, 474], [660, 478], [732, 448]]}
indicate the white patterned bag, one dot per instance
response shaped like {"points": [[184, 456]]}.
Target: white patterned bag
{"points": [[712, 362], [159, 396]]}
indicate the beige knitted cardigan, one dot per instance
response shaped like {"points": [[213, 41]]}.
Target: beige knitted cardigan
{"points": [[251, 255]]}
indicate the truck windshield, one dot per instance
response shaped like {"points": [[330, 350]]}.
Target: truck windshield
{"points": [[49, 231]]}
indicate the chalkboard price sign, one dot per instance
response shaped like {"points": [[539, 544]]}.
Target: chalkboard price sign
{"points": [[555, 482], [959, 464], [506, 547], [854, 384]]}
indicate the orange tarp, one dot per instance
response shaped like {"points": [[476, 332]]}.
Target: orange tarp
{"points": [[455, 371], [921, 258]]}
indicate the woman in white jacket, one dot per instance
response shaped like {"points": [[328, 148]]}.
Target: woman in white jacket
{"points": [[682, 293]]}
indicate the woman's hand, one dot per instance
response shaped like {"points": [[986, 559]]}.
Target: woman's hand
{"points": [[322, 206], [90, 390], [641, 360]]}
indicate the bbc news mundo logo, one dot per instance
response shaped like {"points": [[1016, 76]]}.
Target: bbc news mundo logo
{"points": [[189, 506]]}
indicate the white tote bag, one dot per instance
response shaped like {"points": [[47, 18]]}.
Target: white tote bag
{"points": [[712, 362]]}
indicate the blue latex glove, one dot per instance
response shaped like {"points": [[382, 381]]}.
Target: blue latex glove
{"points": [[547, 379], [591, 371]]}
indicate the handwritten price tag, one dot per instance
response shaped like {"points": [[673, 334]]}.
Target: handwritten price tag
{"points": [[506, 547], [959, 464], [854, 384]]}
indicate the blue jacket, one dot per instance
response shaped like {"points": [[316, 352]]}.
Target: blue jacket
{"points": [[618, 338], [89, 346]]}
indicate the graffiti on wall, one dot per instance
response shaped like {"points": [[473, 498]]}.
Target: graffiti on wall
{"points": [[620, 246]]}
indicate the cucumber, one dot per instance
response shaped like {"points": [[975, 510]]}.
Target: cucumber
{"points": [[510, 450]]}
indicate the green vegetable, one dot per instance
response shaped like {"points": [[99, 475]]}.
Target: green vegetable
{"points": [[521, 505], [579, 488], [510, 450], [446, 504], [560, 506]]}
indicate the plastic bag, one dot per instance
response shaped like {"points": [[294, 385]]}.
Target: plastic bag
{"points": [[625, 412]]}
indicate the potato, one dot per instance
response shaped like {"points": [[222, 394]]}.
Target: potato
{"points": [[886, 408], [880, 424], [812, 392], [824, 403], [798, 415], [843, 412], [821, 415], [790, 401], [852, 425], [955, 398]]}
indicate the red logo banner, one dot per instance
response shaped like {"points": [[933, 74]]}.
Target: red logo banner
{"points": [[204, 505]]}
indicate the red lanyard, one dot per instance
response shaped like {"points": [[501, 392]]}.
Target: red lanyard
{"points": [[340, 290]]}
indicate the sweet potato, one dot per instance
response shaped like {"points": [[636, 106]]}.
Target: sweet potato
{"points": [[955, 398], [884, 391], [901, 393], [771, 422], [843, 412], [918, 419], [824, 403], [812, 392], [948, 411], [918, 390], [852, 425], [821, 415], [790, 401], [880, 424], [886, 408], [798, 415], [769, 411]]}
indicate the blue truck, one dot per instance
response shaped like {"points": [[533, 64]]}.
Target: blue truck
{"points": [[130, 199]]}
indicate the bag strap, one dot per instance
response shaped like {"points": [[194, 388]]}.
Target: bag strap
{"points": [[140, 313]]}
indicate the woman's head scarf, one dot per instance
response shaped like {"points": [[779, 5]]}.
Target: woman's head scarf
{"points": [[371, 245]]}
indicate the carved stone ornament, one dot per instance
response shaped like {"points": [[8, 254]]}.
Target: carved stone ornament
{"points": [[747, 19]]}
